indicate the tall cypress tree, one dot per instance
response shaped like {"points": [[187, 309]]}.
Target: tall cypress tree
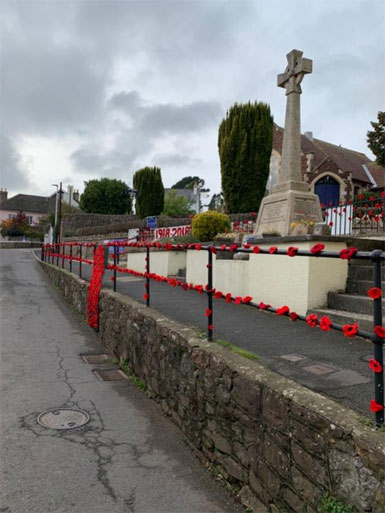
{"points": [[150, 195], [245, 142]]}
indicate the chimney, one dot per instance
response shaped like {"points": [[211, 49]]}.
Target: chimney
{"points": [[3, 195], [76, 196], [70, 189], [309, 136]]}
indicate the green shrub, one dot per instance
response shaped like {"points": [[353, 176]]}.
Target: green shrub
{"points": [[206, 225]]}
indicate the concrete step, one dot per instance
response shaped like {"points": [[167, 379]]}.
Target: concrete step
{"points": [[364, 321], [350, 303], [360, 272], [367, 243], [359, 286], [176, 277]]}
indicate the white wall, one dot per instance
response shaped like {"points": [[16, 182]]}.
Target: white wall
{"points": [[164, 263], [300, 283]]}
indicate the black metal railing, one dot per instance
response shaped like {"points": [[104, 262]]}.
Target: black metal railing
{"points": [[50, 252]]}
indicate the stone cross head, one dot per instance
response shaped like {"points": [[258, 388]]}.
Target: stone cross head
{"points": [[297, 67]]}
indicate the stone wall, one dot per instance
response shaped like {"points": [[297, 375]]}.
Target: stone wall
{"points": [[283, 445], [81, 224], [12, 244]]}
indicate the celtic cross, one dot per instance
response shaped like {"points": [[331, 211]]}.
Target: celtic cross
{"points": [[297, 67]]}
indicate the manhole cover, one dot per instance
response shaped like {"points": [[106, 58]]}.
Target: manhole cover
{"points": [[110, 375], [63, 418]]}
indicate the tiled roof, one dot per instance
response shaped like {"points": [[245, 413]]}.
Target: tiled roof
{"points": [[26, 203], [345, 159], [378, 173]]}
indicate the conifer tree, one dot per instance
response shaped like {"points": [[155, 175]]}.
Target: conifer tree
{"points": [[376, 138], [245, 142], [150, 195]]}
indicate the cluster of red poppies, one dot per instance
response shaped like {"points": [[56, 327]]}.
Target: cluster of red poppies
{"points": [[94, 288]]}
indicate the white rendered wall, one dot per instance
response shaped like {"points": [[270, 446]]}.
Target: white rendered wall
{"points": [[300, 283], [164, 263]]}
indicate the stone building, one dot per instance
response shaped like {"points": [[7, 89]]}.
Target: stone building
{"points": [[333, 172]]}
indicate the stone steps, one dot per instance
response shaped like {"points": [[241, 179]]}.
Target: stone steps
{"points": [[364, 321], [353, 306], [360, 287], [350, 303]]}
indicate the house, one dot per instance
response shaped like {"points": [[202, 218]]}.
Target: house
{"points": [[335, 173], [34, 207]]}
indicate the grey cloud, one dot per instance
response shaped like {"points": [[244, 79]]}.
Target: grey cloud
{"points": [[111, 163], [171, 118], [14, 176], [129, 102], [176, 160], [167, 118], [69, 94]]}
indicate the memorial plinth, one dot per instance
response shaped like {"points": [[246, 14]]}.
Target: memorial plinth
{"points": [[290, 200]]}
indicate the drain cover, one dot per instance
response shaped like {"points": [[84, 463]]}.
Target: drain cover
{"points": [[63, 418]]}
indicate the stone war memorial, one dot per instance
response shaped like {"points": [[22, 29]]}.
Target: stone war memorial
{"points": [[290, 200]]}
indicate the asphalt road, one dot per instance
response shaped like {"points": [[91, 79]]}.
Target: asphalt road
{"points": [[129, 458], [326, 362]]}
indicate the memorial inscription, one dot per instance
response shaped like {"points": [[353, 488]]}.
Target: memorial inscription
{"points": [[304, 209], [274, 212]]}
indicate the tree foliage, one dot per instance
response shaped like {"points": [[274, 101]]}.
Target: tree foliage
{"points": [[150, 195], [188, 182], [216, 202], [106, 196], [376, 139], [245, 142], [176, 206]]}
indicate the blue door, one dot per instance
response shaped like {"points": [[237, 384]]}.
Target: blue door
{"points": [[328, 191]]}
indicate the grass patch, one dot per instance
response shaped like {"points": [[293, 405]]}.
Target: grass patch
{"points": [[332, 505], [236, 349], [124, 366]]}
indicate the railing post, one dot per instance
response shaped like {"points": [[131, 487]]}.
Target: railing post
{"points": [[71, 258], [57, 253], [378, 351], [80, 259], [115, 262], [42, 253], [147, 277], [63, 255], [210, 296]]}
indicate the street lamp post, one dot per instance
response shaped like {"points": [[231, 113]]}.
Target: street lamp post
{"points": [[60, 191], [57, 187]]}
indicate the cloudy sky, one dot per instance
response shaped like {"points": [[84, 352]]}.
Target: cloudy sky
{"points": [[101, 88]]}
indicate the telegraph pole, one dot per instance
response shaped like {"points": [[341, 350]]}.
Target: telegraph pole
{"points": [[60, 191]]}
